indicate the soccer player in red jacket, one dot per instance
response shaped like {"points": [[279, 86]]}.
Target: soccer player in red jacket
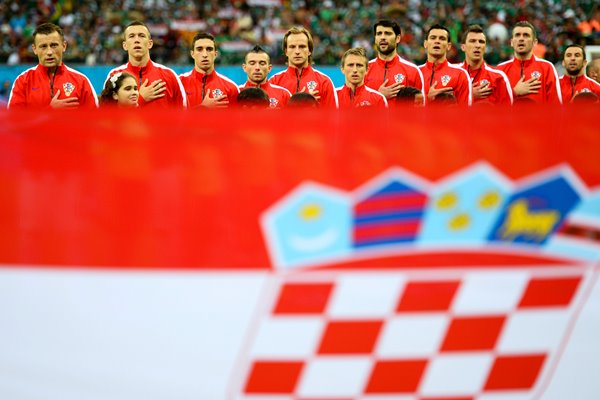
{"points": [[488, 85], [531, 78], [51, 83], [389, 72], [441, 76], [204, 86], [355, 93], [574, 80], [159, 86], [300, 76], [257, 66]]}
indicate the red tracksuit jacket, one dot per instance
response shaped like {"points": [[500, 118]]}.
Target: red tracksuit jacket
{"points": [[448, 75], [197, 85], [174, 95], [363, 96], [395, 70], [570, 87], [534, 67], [37, 86], [278, 96], [295, 80], [498, 81]]}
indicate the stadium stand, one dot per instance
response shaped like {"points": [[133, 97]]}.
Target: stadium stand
{"points": [[93, 28]]}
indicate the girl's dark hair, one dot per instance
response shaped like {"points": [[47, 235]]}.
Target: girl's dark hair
{"points": [[112, 86]]}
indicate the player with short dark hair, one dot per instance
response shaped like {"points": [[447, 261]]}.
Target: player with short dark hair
{"points": [[574, 80], [441, 76], [388, 72], [530, 77], [203, 85], [159, 86], [257, 66], [489, 85], [51, 83]]}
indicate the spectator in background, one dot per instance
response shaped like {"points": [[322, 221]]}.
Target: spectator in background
{"points": [[574, 80], [389, 72], [300, 76], [159, 86], [593, 70], [257, 66], [204, 85], [121, 89], [95, 27], [488, 85], [529, 76], [51, 83], [355, 93], [441, 76]]}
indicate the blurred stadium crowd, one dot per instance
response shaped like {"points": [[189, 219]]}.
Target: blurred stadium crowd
{"points": [[93, 28]]}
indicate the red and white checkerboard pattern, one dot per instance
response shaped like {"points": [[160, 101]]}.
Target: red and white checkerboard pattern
{"points": [[487, 335]]}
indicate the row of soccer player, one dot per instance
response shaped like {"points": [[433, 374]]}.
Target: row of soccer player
{"points": [[367, 83]]}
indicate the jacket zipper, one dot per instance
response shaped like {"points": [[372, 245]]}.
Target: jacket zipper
{"points": [[522, 72], [298, 80], [52, 83], [203, 86], [385, 70]]}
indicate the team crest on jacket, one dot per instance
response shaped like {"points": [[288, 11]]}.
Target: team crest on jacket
{"points": [[364, 103], [311, 85], [273, 102], [445, 79], [68, 88], [484, 82], [399, 78], [536, 74], [217, 93]]}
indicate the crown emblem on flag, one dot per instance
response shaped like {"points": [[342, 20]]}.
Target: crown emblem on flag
{"points": [[477, 208]]}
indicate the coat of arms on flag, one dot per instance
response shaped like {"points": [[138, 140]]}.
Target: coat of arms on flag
{"points": [[352, 319]]}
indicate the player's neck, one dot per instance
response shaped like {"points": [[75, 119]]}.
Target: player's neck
{"points": [[474, 64], [577, 75], [139, 61], [52, 70], [524, 57], [205, 72], [436, 60], [353, 86], [300, 67], [388, 57]]}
